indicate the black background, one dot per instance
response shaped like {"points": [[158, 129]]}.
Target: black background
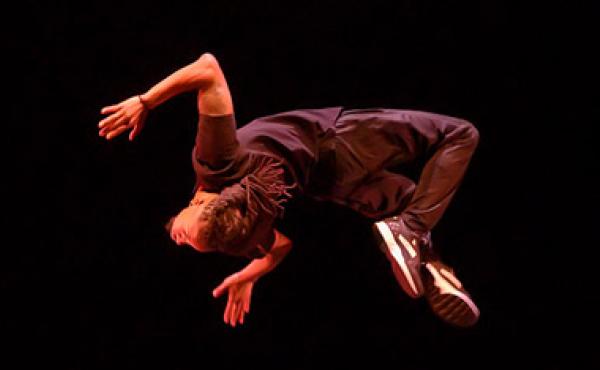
{"points": [[92, 281]]}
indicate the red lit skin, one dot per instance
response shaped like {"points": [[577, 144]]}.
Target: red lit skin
{"points": [[205, 76], [186, 227], [239, 285]]}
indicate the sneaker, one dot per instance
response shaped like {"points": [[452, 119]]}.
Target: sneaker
{"points": [[402, 247], [447, 297]]}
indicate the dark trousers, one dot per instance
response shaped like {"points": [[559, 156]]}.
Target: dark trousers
{"points": [[371, 145], [361, 164]]}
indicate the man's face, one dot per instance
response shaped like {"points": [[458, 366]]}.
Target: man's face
{"points": [[188, 224]]}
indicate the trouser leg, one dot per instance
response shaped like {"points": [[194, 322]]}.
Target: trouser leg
{"points": [[380, 141], [441, 177], [392, 188]]}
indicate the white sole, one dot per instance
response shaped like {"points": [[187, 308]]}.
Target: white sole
{"points": [[446, 287], [395, 251]]}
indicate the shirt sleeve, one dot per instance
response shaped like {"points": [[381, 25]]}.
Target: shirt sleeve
{"points": [[217, 157], [216, 140]]}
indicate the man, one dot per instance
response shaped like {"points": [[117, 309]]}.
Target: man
{"points": [[350, 157]]}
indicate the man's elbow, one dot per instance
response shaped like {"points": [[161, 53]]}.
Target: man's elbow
{"points": [[281, 248], [206, 68], [207, 60], [288, 246], [282, 240]]}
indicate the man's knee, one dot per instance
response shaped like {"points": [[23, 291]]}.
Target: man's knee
{"points": [[471, 134]]}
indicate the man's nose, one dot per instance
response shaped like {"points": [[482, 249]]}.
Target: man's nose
{"points": [[169, 225]]}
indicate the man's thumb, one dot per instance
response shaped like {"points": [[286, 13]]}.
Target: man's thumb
{"points": [[220, 289]]}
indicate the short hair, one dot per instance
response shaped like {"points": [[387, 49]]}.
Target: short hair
{"points": [[229, 222], [244, 213]]}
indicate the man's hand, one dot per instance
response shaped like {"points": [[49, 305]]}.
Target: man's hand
{"points": [[238, 302], [129, 114], [239, 285]]}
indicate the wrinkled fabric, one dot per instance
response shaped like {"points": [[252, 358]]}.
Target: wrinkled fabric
{"points": [[391, 162], [296, 138], [223, 155]]}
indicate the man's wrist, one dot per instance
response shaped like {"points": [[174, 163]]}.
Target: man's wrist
{"points": [[144, 102], [242, 276]]}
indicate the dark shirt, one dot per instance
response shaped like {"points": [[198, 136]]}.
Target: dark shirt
{"points": [[291, 141]]}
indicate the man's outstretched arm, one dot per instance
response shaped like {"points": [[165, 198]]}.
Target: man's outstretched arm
{"points": [[203, 75]]}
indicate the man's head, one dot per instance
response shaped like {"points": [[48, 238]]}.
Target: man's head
{"points": [[187, 227], [215, 222]]}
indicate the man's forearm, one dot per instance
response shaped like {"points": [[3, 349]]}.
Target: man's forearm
{"points": [[195, 76], [260, 266]]}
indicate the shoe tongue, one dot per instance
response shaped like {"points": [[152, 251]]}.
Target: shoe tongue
{"points": [[425, 240]]}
